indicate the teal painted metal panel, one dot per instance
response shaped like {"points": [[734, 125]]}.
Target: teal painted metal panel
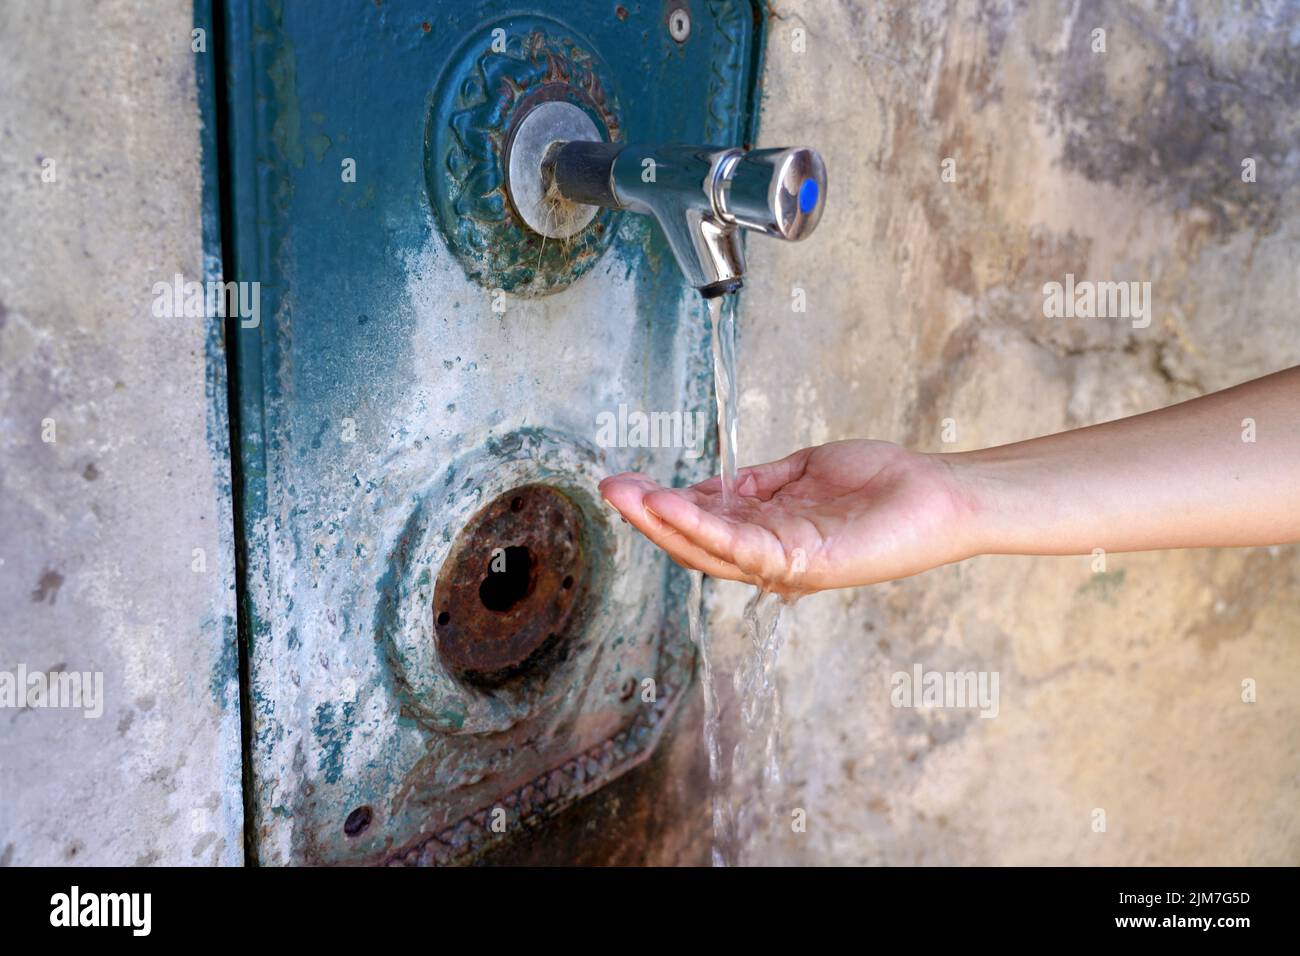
{"points": [[405, 372]]}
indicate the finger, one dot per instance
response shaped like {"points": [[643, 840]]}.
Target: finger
{"points": [[751, 548], [626, 491], [760, 481], [691, 556], [628, 494]]}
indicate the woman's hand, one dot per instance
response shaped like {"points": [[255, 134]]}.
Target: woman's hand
{"points": [[837, 515], [1219, 471]]}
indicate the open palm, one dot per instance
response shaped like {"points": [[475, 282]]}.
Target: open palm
{"points": [[836, 515]]}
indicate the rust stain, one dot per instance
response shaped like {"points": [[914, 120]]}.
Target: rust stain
{"points": [[507, 591]]}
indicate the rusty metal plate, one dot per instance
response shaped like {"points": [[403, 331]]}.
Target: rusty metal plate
{"points": [[392, 396]]}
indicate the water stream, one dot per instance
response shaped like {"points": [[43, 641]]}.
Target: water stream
{"points": [[743, 789], [722, 320]]}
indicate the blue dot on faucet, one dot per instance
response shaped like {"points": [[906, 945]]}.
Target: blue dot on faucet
{"points": [[808, 195]]}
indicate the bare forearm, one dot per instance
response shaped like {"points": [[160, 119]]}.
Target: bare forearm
{"points": [[1183, 476]]}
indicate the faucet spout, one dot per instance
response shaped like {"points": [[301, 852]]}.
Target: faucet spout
{"points": [[702, 197], [677, 185]]}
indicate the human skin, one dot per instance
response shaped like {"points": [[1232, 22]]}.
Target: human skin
{"points": [[859, 512]]}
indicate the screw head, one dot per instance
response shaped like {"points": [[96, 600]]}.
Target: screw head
{"points": [[679, 24]]}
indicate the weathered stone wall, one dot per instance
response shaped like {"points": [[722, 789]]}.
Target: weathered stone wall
{"points": [[115, 529], [1121, 690]]}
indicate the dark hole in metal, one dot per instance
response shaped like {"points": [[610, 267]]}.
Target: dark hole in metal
{"points": [[443, 618], [567, 582], [505, 587], [516, 504], [358, 820]]}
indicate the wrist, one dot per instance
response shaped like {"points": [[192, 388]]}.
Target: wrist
{"points": [[984, 495]]}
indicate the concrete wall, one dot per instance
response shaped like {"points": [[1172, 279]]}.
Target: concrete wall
{"points": [[115, 547], [1122, 690]]}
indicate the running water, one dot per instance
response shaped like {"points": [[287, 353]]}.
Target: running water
{"points": [[742, 792], [722, 830], [723, 322]]}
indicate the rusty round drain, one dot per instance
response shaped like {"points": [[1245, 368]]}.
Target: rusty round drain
{"points": [[507, 592]]}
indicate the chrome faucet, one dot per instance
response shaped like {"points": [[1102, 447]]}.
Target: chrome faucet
{"points": [[701, 196]]}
